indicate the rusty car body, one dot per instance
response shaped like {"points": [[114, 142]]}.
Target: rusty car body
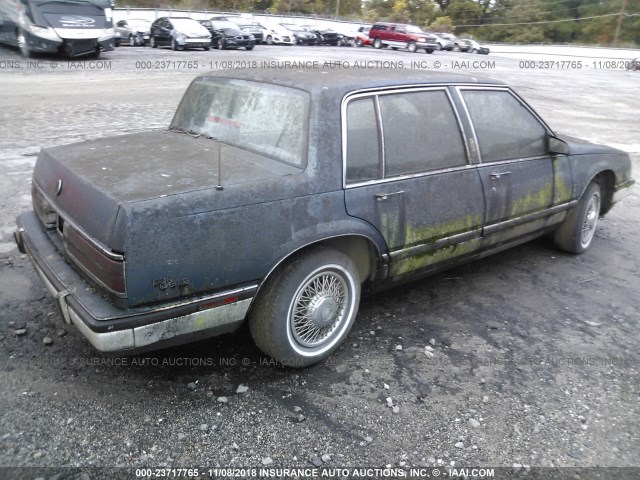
{"points": [[278, 197]]}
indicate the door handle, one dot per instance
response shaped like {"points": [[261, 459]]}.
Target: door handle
{"points": [[497, 175], [383, 196]]}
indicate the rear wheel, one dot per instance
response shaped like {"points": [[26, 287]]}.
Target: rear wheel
{"points": [[307, 308], [377, 43], [576, 232], [359, 42], [133, 41], [429, 50]]}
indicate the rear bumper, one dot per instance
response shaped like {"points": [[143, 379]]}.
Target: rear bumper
{"points": [[110, 329]]}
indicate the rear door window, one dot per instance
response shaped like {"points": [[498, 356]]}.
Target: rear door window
{"points": [[421, 133]]}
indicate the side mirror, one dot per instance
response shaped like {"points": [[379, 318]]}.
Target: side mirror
{"points": [[557, 146]]}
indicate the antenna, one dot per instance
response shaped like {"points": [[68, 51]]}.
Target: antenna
{"points": [[219, 185]]}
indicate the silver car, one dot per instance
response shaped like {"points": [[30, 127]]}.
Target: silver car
{"points": [[134, 31]]}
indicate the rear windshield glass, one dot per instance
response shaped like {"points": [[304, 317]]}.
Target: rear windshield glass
{"points": [[266, 119]]}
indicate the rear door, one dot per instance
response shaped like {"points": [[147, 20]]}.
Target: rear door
{"points": [[516, 169], [407, 172]]}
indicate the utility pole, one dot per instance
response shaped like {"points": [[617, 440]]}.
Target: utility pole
{"points": [[338, 8], [616, 35]]}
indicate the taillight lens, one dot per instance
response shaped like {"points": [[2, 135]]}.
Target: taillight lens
{"points": [[106, 268]]}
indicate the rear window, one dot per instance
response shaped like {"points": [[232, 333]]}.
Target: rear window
{"points": [[262, 118]]}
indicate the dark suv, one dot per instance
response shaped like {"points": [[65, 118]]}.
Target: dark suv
{"points": [[398, 35]]}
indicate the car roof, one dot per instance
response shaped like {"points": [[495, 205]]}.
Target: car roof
{"points": [[319, 81]]}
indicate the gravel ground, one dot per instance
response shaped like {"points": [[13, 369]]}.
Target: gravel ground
{"points": [[525, 359]]}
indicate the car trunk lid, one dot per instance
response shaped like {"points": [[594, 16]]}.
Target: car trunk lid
{"points": [[87, 182]]}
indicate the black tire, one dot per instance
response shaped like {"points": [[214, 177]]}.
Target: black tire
{"points": [[475, 50], [576, 232], [152, 42], [132, 41], [456, 47], [429, 50], [412, 47], [269, 40], [250, 47], [315, 293], [206, 49], [222, 44], [377, 43], [176, 46], [359, 42]]}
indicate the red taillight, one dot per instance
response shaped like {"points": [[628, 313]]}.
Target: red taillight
{"points": [[104, 267]]}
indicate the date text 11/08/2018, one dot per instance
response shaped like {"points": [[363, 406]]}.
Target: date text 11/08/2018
{"points": [[310, 472]]}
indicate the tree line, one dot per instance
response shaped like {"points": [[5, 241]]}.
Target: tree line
{"points": [[615, 22]]}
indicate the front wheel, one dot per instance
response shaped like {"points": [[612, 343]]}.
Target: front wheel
{"points": [[576, 232], [412, 47], [152, 42], [269, 40], [359, 42], [307, 308]]}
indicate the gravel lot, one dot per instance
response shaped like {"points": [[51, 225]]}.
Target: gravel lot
{"points": [[533, 362]]}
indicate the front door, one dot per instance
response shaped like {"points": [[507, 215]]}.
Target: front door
{"points": [[407, 173], [516, 170]]}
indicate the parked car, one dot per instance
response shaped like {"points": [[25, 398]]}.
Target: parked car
{"points": [[360, 37], [471, 46], [396, 35], [326, 36], [179, 33], [133, 31], [278, 35], [355, 182], [255, 29], [68, 27], [302, 37], [446, 42], [226, 34]]}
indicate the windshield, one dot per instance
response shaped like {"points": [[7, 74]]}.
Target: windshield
{"points": [[293, 28], [224, 24], [265, 119], [414, 29], [185, 23]]}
